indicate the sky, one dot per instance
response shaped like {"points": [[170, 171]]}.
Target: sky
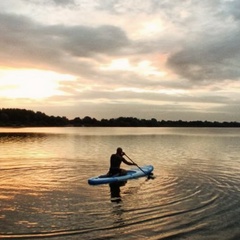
{"points": [[163, 59]]}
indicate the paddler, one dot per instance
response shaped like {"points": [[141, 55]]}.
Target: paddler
{"points": [[115, 162]]}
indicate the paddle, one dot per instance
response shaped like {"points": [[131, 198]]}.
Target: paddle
{"points": [[149, 175]]}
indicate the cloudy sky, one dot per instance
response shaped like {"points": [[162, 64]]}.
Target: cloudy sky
{"points": [[160, 59]]}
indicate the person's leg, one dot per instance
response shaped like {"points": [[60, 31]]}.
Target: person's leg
{"points": [[123, 172]]}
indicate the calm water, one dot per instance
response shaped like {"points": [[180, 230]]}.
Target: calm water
{"points": [[44, 191]]}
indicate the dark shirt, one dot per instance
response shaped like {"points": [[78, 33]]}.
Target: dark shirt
{"points": [[115, 161]]}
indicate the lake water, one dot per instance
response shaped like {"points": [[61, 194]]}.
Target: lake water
{"points": [[44, 191]]}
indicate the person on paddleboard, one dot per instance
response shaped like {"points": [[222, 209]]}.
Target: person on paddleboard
{"points": [[115, 162]]}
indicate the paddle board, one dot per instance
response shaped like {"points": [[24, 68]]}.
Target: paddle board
{"points": [[131, 174]]}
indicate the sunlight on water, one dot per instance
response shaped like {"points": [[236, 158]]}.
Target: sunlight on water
{"points": [[44, 190]]}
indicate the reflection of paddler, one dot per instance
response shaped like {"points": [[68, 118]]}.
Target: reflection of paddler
{"points": [[115, 191]]}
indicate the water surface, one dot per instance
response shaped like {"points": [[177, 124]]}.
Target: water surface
{"points": [[44, 191]]}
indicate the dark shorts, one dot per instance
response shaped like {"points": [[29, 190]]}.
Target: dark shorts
{"points": [[113, 171]]}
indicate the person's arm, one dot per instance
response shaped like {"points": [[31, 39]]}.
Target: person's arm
{"points": [[127, 162]]}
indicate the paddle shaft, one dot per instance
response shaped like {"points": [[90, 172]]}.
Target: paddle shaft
{"points": [[135, 163]]}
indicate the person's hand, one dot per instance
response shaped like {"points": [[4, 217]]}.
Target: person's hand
{"points": [[123, 153]]}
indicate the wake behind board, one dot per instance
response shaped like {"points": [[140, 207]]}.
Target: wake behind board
{"points": [[131, 174]]}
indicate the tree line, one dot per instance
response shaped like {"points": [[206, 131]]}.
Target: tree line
{"points": [[14, 117]]}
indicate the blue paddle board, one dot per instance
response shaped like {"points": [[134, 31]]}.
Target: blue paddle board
{"points": [[131, 174]]}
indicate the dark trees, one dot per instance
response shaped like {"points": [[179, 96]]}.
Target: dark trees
{"points": [[13, 117]]}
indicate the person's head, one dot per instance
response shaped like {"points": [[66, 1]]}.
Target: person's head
{"points": [[119, 151]]}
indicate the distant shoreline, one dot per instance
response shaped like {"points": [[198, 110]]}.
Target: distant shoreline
{"points": [[20, 118]]}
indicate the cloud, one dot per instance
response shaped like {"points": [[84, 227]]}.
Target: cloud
{"points": [[144, 56], [61, 3], [125, 6], [22, 38], [213, 60], [87, 41], [64, 2], [232, 8], [211, 51], [48, 46], [202, 40]]}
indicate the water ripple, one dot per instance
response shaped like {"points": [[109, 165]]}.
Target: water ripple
{"points": [[44, 190]]}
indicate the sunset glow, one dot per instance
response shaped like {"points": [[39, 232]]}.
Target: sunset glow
{"points": [[30, 83], [143, 67]]}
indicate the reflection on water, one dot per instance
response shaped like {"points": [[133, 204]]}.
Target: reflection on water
{"points": [[44, 190], [115, 191]]}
